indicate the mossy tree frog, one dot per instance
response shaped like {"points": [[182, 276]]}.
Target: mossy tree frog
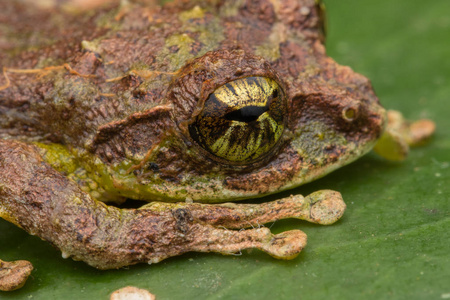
{"points": [[185, 106]]}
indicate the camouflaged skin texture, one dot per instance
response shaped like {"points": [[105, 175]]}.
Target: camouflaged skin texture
{"points": [[121, 82], [117, 88]]}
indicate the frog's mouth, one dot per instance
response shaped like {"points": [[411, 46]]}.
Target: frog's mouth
{"points": [[355, 129]]}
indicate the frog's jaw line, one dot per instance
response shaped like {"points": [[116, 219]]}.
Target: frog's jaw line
{"points": [[353, 153], [214, 191], [350, 157]]}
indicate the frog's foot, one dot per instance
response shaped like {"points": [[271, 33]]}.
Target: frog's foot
{"points": [[400, 134], [43, 202], [13, 275]]}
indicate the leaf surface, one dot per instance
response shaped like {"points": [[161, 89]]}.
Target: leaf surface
{"points": [[393, 240]]}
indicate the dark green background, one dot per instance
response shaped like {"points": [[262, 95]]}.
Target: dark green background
{"points": [[393, 241]]}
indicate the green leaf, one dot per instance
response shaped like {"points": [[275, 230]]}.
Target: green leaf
{"points": [[393, 240]]}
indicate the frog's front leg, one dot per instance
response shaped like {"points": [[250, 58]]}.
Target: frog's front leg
{"points": [[212, 221], [40, 200], [322, 207]]}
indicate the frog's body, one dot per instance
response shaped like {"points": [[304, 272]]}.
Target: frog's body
{"points": [[111, 101], [135, 87]]}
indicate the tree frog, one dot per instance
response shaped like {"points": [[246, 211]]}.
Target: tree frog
{"points": [[190, 106]]}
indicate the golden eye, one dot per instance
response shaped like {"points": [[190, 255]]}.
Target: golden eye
{"points": [[242, 120]]}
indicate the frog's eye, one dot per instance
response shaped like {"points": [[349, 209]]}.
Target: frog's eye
{"points": [[242, 120]]}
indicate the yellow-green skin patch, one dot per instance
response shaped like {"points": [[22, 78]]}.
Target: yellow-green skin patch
{"points": [[181, 47]]}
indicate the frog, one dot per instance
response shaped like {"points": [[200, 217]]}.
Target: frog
{"points": [[190, 106]]}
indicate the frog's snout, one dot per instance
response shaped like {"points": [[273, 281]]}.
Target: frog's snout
{"points": [[377, 119]]}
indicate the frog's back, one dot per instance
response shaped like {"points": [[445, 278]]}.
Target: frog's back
{"points": [[70, 74]]}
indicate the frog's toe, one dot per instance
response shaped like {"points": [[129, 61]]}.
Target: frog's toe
{"points": [[286, 245], [420, 132], [13, 275], [326, 207], [414, 133], [400, 134]]}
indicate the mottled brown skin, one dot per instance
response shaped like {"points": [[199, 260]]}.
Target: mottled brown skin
{"points": [[113, 92]]}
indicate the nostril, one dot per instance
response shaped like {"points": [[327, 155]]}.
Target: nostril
{"points": [[350, 113]]}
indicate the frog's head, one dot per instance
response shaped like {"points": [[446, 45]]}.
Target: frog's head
{"points": [[258, 107], [257, 131]]}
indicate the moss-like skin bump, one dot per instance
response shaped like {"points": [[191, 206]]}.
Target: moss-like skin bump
{"points": [[116, 103]]}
